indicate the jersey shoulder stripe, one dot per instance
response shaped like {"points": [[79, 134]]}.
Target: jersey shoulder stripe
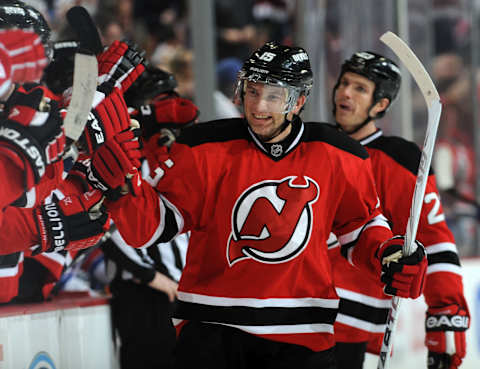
{"points": [[405, 153], [221, 130], [325, 132]]}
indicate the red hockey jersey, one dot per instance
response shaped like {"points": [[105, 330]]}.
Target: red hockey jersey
{"points": [[259, 216], [363, 305]]}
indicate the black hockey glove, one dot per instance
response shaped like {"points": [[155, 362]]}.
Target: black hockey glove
{"points": [[403, 275]]}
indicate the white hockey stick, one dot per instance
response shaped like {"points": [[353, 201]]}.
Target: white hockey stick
{"points": [[84, 86], [432, 99]]}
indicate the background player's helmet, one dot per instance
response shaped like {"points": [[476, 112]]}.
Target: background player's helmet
{"points": [[63, 65], [280, 65], [378, 69], [14, 13], [150, 84]]}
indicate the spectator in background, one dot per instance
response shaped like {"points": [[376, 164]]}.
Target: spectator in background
{"points": [[454, 154], [235, 28], [227, 71], [273, 20], [109, 28]]}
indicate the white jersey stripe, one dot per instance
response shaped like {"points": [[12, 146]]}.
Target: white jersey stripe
{"points": [[282, 329], [364, 299], [441, 247], [258, 303], [444, 267], [352, 236], [360, 324]]}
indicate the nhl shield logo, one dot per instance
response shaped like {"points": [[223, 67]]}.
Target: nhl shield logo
{"points": [[272, 220]]}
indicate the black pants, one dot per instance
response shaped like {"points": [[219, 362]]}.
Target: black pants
{"points": [[142, 318], [213, 346], [350, 355]]}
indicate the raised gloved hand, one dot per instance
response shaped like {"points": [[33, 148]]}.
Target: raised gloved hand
{"points": [[108, 117], [445, 336], [22, 56], [120, 64], [166, 115], [403, 275], [75, 222], [33, 131], [113, 168]]}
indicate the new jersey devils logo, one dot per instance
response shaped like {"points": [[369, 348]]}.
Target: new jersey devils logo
{"points": [[272, 221]]}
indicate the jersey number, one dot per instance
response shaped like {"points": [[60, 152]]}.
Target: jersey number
{"points": [[434, 216], [266, 56]]}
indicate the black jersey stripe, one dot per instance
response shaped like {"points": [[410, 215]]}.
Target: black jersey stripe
{"points": [[363, 312], [240, 315], [443, 257]]}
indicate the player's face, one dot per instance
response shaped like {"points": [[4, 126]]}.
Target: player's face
{"points": [[353, 99], [264, 107]]}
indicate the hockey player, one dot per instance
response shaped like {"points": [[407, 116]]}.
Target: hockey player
{"points": [[260, 196], [367, 85], [145, 285], [31, 139]]}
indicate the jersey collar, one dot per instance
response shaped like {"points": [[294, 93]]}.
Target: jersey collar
{"points": [[365, 141], [278, 150]]}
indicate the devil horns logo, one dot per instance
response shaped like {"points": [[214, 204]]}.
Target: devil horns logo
{"points": [[272, 221]]}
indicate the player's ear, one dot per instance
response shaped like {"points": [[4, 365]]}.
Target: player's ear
{"points": [[380, 106], [300, 102]]}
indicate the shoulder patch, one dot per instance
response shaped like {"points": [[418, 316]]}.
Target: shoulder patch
{"points": [[325, 132], [221, 130], [405, 153]]}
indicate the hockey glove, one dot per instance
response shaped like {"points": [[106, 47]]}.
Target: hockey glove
{"points": [[168, 116], [445, 336], [33, 130], [108, 117], [22, 56], [113, 168], [75, 222], [120, 64], [403, 275]]}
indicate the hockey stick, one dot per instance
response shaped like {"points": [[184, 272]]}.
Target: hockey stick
{"points": [[432, 99], [85, 73]]}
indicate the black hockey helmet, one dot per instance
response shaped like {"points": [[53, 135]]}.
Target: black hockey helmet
{"points": [[63, 65], [280, 65], [15, 13], [151, 83], [378, 69]]}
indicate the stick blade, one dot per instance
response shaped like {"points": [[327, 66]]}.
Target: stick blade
{"points": [[87, 33], [414, 66], [85, 77]]}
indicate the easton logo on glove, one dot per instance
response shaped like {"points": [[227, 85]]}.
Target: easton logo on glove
{"points": [[20, 137]]}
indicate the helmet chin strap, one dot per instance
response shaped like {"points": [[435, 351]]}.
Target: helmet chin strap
{"points": [[360, 126], [357, 128], [280, 129]]}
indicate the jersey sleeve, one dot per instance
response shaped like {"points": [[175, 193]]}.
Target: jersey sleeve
{"points": [[444, 280], [169, 203], [359, 224]]}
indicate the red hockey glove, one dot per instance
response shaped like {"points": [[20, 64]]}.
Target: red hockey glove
{"points": [[120, 64], [403, 275], [22, 55], [75, 222], [115, 164], [33, 132], [445, 336], [109, 117], [167, 115]]}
